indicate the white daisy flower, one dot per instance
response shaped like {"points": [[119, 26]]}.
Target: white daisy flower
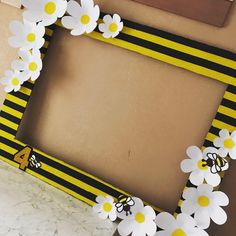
{"points": [[112, 26], [182, 225], [30, 62], [27, 35], [140, 222], [205, 204], [83, 18], [226, 143], [105, 208], [13, 80], [45, 11], [198, 167]]}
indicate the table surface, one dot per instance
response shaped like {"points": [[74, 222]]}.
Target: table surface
{"points": [[30, 207]]}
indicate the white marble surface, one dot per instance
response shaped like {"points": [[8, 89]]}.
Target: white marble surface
{"points": [[30, 207]]}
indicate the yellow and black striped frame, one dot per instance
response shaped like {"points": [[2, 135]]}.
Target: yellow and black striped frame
{"points": [[197, 57]]}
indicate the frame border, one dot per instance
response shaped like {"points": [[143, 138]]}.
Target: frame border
{"points": [[194, 56]]}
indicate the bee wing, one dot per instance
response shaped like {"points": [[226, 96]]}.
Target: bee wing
{"points": [[226, 166], [212, 156], [130, 201], [119, 207], [215, 169]]}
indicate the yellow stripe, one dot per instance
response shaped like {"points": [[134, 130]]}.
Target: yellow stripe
{"points": [[72, 193], [168, 59], [46, 44], [25, 90], [73, 180], [11, 111], [12, 163], [8, 123], [16, 100], [221, 125], [230, 96], [8, 149], [180, 47], [227, 111], [49, 32], [6, 135], [211, 137]]}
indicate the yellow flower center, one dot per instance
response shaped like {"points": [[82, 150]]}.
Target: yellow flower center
{"points": [[202, 165], [229, 143], [33, 66], [203, 201], [31, 37], [179, 232], [107, 207], [15, 81], [50, 8], [139, 217], [113, 27], [85, 19]]}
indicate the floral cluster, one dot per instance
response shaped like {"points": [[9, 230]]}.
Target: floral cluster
{"points": [[200, 204], [205, 167], [28, 35], [141, 220]]}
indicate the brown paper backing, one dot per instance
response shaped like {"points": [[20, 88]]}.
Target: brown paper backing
{"points": [[134, 117], [212, 12]]}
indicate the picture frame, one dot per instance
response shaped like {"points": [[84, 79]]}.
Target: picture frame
{"points": [[212, 62]]}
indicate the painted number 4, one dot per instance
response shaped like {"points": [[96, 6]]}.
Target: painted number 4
{"points": [[22, 157]]}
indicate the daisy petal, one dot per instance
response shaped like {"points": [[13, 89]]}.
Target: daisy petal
{"points": [[213, 179], [187, 165], [194, 152], [232, 153], [189, 207], [196, 177], [218, 215], [202, 218], [164, 220], [125, 227], [223, 152], [69, 22], [185, 219], [220, 198], [224, 133]]}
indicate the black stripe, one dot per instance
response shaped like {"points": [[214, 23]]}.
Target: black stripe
{"points": [[68, 171], [14, 106], [179, 55], [181, 40], [208, 143], [231, 89], [228, 103], [65, 183], [7, 129], [21, 95], [226, 119], [43, 50], [178, 210], [47, 38], [55, 178], [28, 85], [214, 130], [10, 117]]}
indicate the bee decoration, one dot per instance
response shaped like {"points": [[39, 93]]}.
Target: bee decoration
{"points": [[216, 163], [124, 204], [34, 162]]}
